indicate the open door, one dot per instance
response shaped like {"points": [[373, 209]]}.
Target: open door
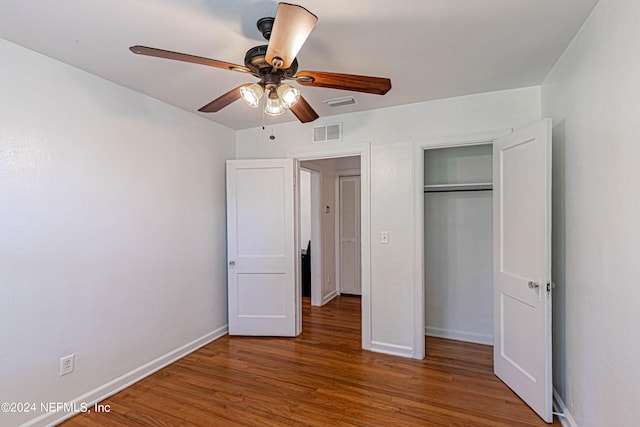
{"points": [[262, 261], [522, 264]]}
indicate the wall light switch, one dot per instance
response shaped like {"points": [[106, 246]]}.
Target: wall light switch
{"points": [[384, 237], [67, 364]]}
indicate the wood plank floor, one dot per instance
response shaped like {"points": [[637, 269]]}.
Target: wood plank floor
{"points": [[321, 378]]}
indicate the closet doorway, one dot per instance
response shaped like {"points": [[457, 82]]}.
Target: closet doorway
{"points": [[486, 261], [458, 243]]}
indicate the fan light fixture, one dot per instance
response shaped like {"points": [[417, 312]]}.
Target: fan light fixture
{"points": [[279, 98], [289, 95], [251, 94], [274, 106]]}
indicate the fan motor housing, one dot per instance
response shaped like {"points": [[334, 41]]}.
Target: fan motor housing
{"points": [[255, 60]]}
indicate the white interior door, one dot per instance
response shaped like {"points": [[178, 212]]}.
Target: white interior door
{"points": [[262, 261], [350, 235], [522, 264]]}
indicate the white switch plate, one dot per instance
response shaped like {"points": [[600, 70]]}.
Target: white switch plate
{"points": [[384, 237]]}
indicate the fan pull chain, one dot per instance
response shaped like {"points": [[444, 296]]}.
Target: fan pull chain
{"points": [[272, 137]]}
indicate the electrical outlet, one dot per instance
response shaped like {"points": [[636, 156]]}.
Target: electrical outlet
{"points": [[384, 237], [67, 364]]}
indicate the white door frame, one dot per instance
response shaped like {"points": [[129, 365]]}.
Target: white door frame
{"points": [[364, 151], [316, 235], [340, 173], [417, 293]]}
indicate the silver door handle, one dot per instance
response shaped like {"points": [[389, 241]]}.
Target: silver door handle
{"points": [[232, 263], [533, 285]]}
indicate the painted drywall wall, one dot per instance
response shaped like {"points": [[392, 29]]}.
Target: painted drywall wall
{"points": [[413, 122], [351, 163], [458, 245], [305, 209], [112, 231], [593, 95], [392, 134]]}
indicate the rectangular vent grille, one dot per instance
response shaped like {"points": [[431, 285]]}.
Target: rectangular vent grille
{"points": [[341, 102], [327, 133]]}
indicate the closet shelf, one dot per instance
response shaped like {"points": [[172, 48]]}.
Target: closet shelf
{"points": [[441, 188]]}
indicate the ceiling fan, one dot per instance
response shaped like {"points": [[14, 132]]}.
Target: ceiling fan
{"points": [[274, 63]]}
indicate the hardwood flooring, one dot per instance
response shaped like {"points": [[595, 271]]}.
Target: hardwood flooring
{"points": [[321, 378]]}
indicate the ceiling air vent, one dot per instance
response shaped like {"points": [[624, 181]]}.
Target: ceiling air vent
{"points": [[341, 102], [327, 133]]}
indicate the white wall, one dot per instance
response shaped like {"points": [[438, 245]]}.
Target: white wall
{"points": [[305, 209], [392, 134], [593, 95], [112, 231]]}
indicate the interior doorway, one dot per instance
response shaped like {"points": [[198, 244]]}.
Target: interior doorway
{"points": [[362, 152], [321, 203]]}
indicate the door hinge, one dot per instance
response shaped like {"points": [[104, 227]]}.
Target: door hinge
{"points": [[550, 286]]}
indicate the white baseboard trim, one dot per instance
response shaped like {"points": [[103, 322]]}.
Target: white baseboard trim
{"points": [[331, 295], [393, 349], [559, 406], [453, 334], [118, 384]]}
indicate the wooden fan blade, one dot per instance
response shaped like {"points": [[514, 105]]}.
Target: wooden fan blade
{"points": [[222, 101], [177, 56], [292, 26], [375, 85], [303, 111]]}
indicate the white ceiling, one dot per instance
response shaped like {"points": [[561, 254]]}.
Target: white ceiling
{"points": [[429, 49]]}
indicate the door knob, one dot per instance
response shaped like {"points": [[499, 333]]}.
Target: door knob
{"points": [[232, 263], [533, 285]]}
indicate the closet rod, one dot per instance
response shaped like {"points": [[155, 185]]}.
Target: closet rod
{"points": [[472, 186], [458, 190]]}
